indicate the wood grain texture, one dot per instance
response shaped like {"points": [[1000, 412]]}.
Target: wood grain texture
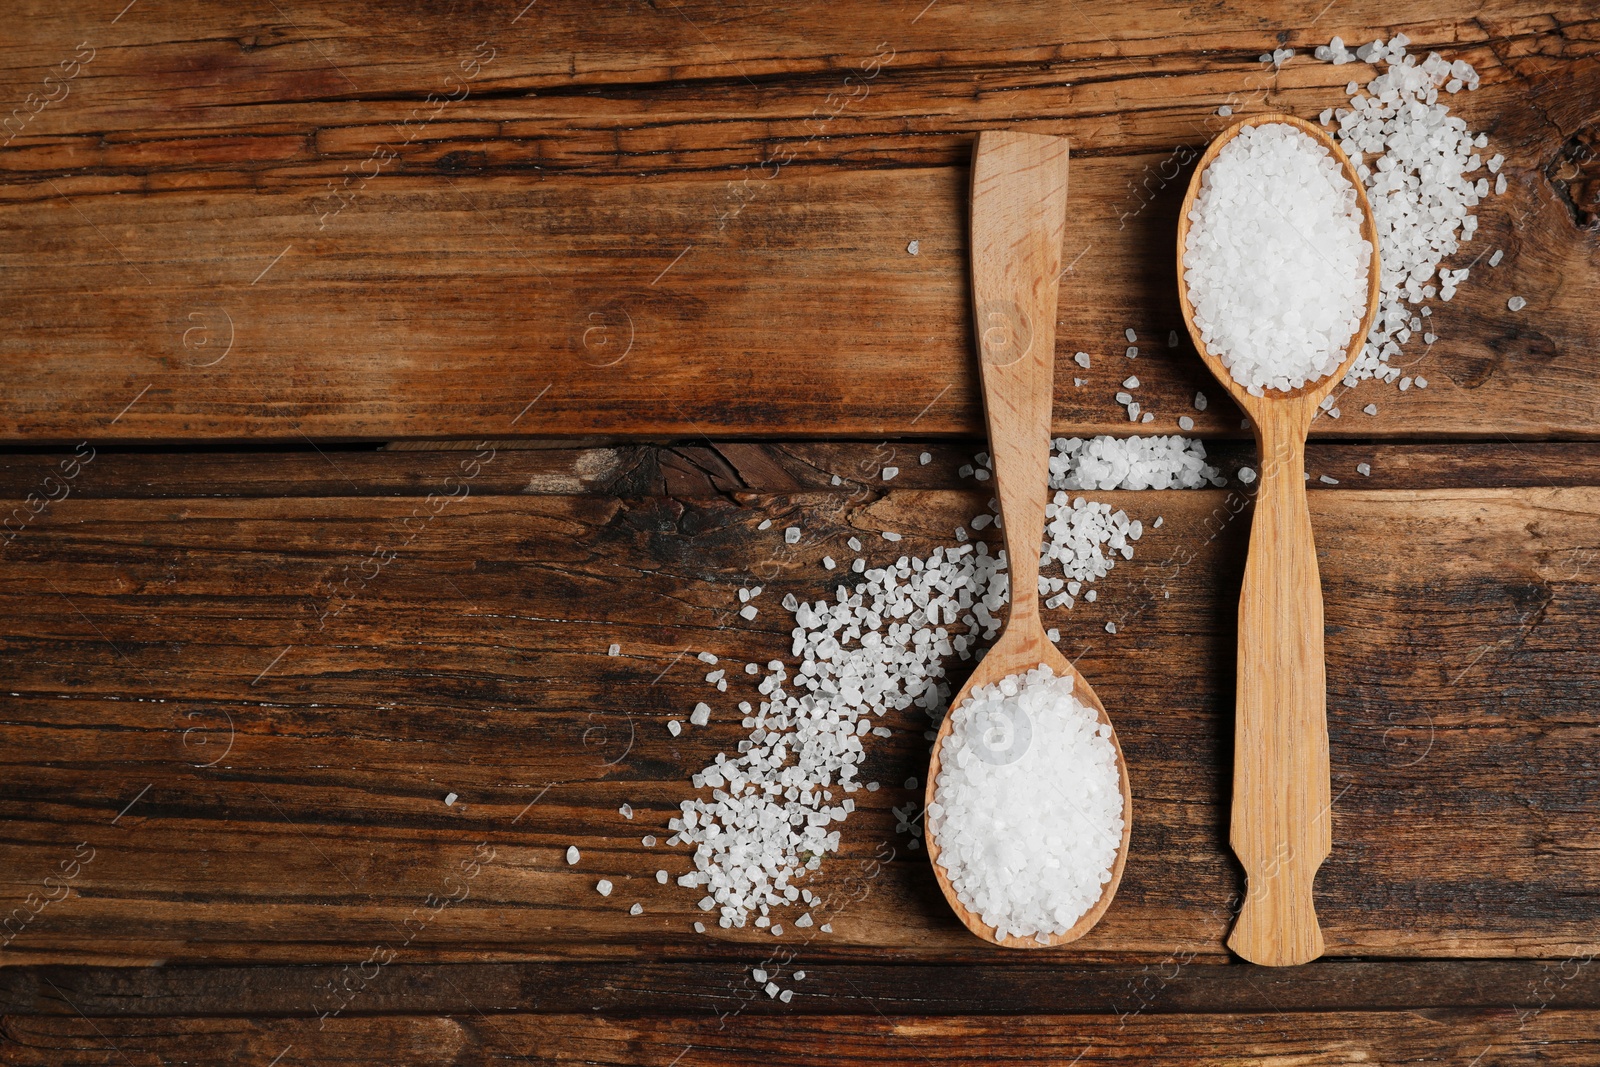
{"points": [[388, 265], [147, 631], [469, 1040], [1279, 822], [999, 984]]}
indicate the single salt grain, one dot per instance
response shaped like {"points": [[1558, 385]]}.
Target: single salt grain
{"points": [[925, 459], [699, 928], [1516, 303], [1225, 111], [1185, 423], [1111, 627], [637, 909], [626, 811], [799, 976], [759, 974], [827, 562], [1326, 480], [1081, 359], [1130, 335], [1247, 475], [614, 650], [603, 887], [786, 996], [674, 727], [661, 876], [890, 472], [708, 658], [792, 535], [836, 480], [749, 611], [1132, 352], [1371, 409], [766, 524], [572, 854], [1199, 401], [648, 841], [890, 535], [914, 247], [1130, 382], [1421, 382], [701, 714], [826, 928], [1494, 260], [1364, 469]]}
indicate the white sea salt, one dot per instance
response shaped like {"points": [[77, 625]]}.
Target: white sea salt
{"points": [[1516, 303], [766, 815], [1081, 359], [1413, 157], [1185, 423], [1130, 335], [626, 811], [1275, 263], [572, 854], [674, 727], [1364, 469], [890, 472], [1247, 475], [614, 650], [792, 535], [637, 909], [1027, 809], [603, 887]]}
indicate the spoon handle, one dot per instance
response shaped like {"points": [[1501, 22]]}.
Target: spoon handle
{"points": [[1281, 829], [1019, 217]]}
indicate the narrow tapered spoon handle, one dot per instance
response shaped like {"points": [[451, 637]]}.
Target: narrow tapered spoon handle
{"points": [[1019, 217], [1281, 828]]}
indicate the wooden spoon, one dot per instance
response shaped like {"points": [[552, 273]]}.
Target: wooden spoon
{"points": [[1281, 828], [1019, 214]]}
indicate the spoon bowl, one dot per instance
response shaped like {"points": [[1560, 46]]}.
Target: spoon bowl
{"points": [[1281, 829], [1019, 200]]}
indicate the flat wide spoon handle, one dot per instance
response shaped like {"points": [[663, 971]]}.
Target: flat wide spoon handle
{"points": [[1281, 829], [1019, 217]]}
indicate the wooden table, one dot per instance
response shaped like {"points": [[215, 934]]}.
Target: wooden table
{"points": [[369, 370]]}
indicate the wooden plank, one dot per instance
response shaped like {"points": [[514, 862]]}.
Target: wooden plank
{"points": [[642, 987], [257, 787], [615, 250], [469, 1039], [703, 469]]}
